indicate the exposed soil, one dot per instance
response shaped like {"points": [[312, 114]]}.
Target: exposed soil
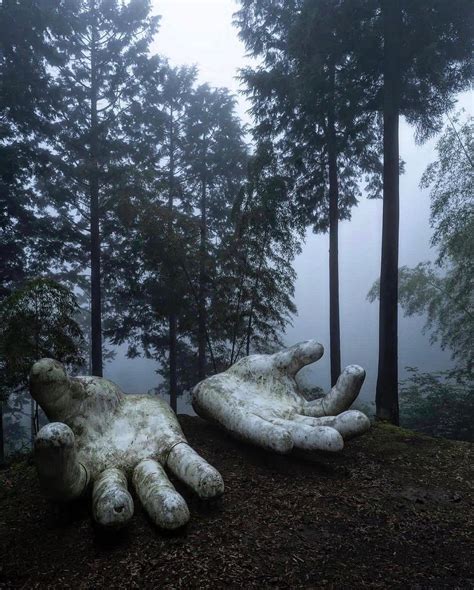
{"points": [[393, 511]]}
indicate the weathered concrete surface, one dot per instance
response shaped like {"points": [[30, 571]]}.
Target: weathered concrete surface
{"points": [[99, 435]]}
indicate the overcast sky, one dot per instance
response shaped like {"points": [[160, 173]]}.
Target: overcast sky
{"points": [[200, 32]]}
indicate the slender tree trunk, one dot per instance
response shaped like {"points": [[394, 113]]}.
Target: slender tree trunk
{"points": [[237, 314], [33, 403], [249, 328], [32, 422], [334, 326], [196, 299], [255, 295], [2, 442], [387, 379], [172, 333], [239, 246], [172, 319], [96, 295], [202, 311]]}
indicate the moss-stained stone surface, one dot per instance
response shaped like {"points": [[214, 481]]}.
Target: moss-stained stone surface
{"points": [[394, 510]]}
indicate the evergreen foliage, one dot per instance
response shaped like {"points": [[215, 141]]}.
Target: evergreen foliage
{"points": [[152, 303], [256, 258], [86, 172], [36, 321], [309, 99], [27, 102], [208, 232]]}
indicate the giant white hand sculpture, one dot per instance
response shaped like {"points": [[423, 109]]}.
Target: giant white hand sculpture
{"points": [[102, 436], [257, 400]]}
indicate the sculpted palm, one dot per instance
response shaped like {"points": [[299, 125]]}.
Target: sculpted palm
{"points": [[258, 400], [99, 436]]}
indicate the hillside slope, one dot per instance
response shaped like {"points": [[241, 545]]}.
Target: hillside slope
{"points": [[394, 510]]}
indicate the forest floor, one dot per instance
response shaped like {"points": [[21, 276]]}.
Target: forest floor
{"points": [[394, 510]]}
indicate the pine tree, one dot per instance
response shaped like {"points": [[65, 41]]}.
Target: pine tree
{"points": [[27, 103], [215, 155], [401, 58], [157, 235], [387, 382], [177, 97], [307, 98], [257, 281], [98, 83], [427, 51]]}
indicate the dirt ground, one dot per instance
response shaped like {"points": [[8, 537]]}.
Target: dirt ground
{"points": [[394, 510]]}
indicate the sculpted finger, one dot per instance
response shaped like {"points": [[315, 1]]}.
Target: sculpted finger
{"points": [[164, 505], [349, 424], [62, 477], [195, 472], [341, 396], [317, 421], [112, 505], [312, 438], [262, 433], [298, 356]]}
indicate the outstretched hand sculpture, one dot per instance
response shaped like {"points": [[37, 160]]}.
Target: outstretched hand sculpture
{"points": [[102, 436], [257, 400]]}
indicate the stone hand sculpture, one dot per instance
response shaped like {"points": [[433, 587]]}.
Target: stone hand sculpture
{"points": [[101, 436], [257, 400]]}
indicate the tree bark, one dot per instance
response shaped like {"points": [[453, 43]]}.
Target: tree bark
{"points": [[249, 323], [334, 323], [172, 319], [387, 379], [33, 403], [202, 311], [255, 295], [172, 325], [95, 243], [2, 441], [32, 422]]}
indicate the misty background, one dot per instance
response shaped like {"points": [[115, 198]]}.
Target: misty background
{"points": [[201, 32]]}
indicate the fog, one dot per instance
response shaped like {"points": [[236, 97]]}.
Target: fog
{"points": [[201, 32]]}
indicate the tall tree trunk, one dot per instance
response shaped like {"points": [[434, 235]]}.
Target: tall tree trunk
{"points": [[33, 403], [237, 316], [172, 319], [387, 379], [172, 333], [249, 331], [248, 337], [334, 326], [202, 311], [95, 244], [32, 422], [2, 442]]}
